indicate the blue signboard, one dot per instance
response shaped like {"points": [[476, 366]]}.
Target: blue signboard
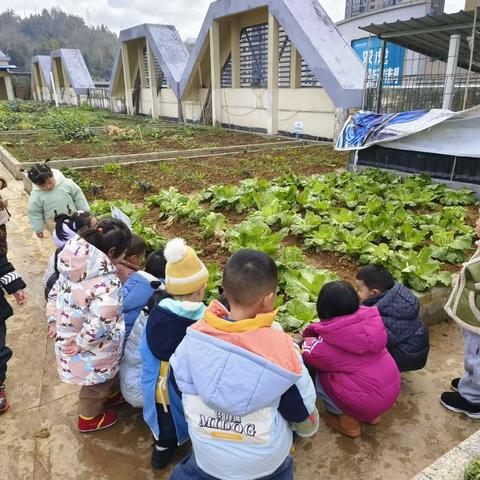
{"points": [[394, 59]]}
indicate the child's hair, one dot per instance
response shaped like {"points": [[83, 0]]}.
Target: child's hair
{"points": [[3, 183], [376, 277], [156, 264], [39, 173], [74, 222], [110, 233], [248, 276], [137, 247], [337, 299]]}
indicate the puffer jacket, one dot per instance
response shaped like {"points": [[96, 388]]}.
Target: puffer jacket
{"points": [[10, 282], [408, 341], [131, 364], [241, 384], [136, 293], [353, 364], [43, 205], [86, 304]]}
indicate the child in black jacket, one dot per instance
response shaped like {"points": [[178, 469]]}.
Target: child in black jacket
{"points": [[12, 283]]}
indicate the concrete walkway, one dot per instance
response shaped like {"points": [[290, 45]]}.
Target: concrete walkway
{"points": [[39, 438]]}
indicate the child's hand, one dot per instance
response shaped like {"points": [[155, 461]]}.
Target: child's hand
{"points": [[20, 297], [39, 234], [70, 347], [52, 330]]}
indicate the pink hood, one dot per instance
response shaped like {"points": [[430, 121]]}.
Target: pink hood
{"points": [[353, 364]]}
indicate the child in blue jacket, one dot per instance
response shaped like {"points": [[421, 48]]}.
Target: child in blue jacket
{"points": [[242, 382], [140, 286], [185, 282]]}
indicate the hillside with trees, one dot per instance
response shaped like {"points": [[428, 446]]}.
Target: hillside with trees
{"points": [[39, 34]]}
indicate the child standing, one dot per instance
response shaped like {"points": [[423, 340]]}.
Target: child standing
{"points": [[12, 283], [357, 378], [4, 218], [134, 257], [52, 194], [84, 313], [186, 280], [463, 308], [399, 307], [243, 383]]}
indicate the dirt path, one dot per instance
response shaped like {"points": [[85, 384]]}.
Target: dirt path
{"points": [[39, 438]]}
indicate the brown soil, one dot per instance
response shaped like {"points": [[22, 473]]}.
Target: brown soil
{"points": [[193, 174], [49, 147]]}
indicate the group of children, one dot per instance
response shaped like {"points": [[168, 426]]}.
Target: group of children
{"points": [[225, 375]]}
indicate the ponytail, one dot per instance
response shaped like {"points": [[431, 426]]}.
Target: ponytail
{"points": [[110, 234], [72, 221], [39, 173]]}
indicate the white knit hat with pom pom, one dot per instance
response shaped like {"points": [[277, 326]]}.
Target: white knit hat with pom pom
{"points": [[185, 272]]}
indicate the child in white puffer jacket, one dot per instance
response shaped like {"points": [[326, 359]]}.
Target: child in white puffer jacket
{"points": [[131, 363]]}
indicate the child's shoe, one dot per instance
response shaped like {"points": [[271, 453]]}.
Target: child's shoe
{"points": [[454, 384], [456, 403], [105, 420], [344, 424], [114, 400], [161, 456], [4, 405]]}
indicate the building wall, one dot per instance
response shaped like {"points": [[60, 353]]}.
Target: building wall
{"points": [[360, 8]]}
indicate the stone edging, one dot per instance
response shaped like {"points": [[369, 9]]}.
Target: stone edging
{"points": [[451, 465], [15, 167]]}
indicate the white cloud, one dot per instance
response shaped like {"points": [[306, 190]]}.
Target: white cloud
{"points": [[186, 15]]}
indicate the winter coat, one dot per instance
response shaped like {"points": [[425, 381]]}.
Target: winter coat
{"points": [[86, 304], [353, 364], [241, 384], [136, 293], [131, 365], [462, 306], [10, 282], [407, 335], [166, 327], [43, 205]]}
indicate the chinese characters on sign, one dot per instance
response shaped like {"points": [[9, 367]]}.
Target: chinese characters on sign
{"points": [[394, 59]]}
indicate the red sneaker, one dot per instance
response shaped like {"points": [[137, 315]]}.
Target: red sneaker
{"points": [[105, 420], [114, 400], [4, 405]]}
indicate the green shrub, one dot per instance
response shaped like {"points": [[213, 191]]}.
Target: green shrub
{"points": [[472, 471]]}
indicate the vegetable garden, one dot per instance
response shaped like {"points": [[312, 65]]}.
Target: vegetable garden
{"points": [[83, 132], [318, 227]]}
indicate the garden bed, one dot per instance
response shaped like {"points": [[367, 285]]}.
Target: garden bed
{"points": [[318, 222]]}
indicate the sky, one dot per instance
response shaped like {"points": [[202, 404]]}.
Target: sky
{"points": [[186, 15]]}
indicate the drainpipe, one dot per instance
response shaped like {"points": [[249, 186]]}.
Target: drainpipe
{"points": [[452, 62]]}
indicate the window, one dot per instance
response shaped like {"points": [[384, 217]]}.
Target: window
{"points": [[254, 56], [160, 76]]}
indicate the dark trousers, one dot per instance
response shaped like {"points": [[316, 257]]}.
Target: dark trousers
{"points": [[5, 352], [168, 434], [188, 469], [3, 239]]}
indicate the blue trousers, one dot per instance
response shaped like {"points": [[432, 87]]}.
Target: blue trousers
{"points": [[329, 403], [469, 387], [188, 469]]}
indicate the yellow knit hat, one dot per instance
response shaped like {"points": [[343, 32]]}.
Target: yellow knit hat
{"points": [[185, 273]]}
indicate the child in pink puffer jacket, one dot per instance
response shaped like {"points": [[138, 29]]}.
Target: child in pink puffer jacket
{"points": [[356, 377]]}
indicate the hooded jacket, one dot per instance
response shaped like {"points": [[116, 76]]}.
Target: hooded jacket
{"points": [[408, 341], [86, 303], [353, 364], [65, 195], [165, 329], [136, 293], [463, 304], [241, 384]]}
